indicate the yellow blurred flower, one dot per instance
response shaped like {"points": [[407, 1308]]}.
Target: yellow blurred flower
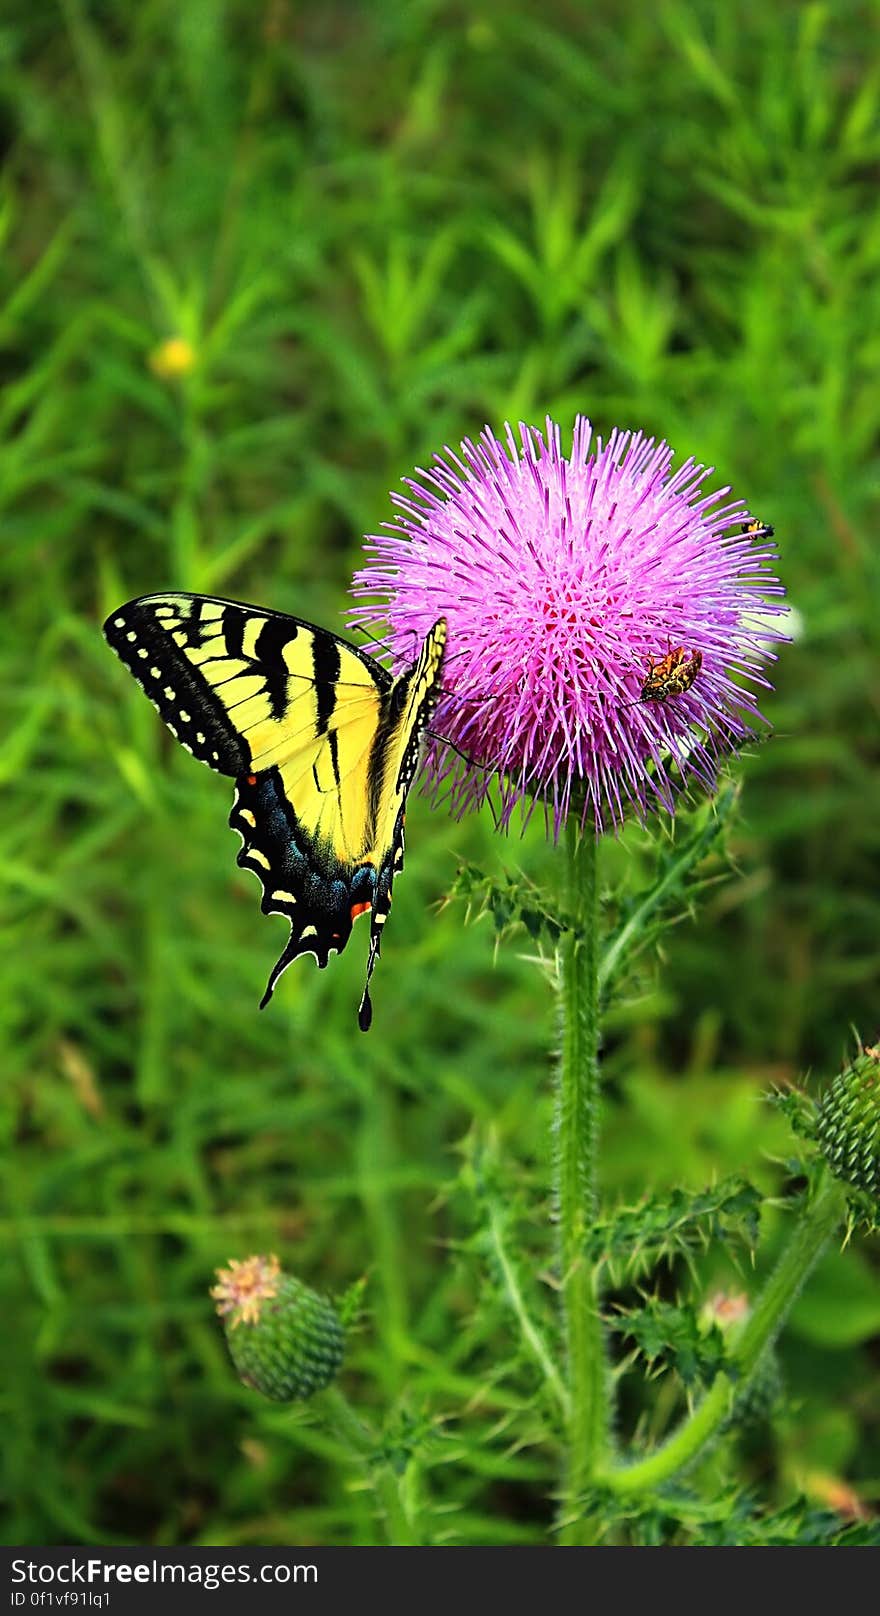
{"points": [[175, 357]]}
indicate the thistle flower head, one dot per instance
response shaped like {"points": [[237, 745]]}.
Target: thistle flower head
{"points": [[606, 618], [285, 1340]]}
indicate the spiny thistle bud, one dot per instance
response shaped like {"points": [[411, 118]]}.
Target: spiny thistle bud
{"points": [[756, 1401], [285, 1340], [849, 1124]]}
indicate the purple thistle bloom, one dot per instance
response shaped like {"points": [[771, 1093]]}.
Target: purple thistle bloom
{"points": [[563, 579]]}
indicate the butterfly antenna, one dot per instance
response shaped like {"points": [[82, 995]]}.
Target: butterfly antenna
{"points": [[494, 763], [462, 695], [373, 639]]}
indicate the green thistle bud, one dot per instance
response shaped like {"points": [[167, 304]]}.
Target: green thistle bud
{"points": [[285, 1340], [849, 1124]]}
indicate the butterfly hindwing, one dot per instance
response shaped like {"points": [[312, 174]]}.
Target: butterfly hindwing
{"points": [[302, 879], [322, 742]]}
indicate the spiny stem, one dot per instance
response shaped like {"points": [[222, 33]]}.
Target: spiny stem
{"points": [[822, 1216], [389, 1487], [531, 1335], [577, 1128]]}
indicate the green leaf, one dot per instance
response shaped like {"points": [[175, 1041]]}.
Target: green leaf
{"points": [[671, 1337], [635, 1239], [510, 902]]}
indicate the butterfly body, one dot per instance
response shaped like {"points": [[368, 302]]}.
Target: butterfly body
{"points": [[322, 741]]}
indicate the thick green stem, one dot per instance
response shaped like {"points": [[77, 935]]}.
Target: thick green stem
{"points": [[818, 1222], [390, 1487], [577, 1130]]}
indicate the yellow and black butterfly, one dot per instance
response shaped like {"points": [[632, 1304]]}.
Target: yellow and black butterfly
{"points": [[322, 741]]}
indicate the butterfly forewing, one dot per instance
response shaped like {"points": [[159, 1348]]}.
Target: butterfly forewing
{"points": [[236, 684], [322, 742]]}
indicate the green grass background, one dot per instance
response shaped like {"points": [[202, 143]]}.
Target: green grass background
{"points": [[380, 226]]}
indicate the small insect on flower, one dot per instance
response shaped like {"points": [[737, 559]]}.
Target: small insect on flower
{"points": [[671, 675], [757, 530]]}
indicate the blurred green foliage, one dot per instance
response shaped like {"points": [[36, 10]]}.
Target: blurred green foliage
{"points": [[378, 227]]}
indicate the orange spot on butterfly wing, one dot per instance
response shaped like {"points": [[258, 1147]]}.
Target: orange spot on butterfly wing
{"points": [[358, 909]]}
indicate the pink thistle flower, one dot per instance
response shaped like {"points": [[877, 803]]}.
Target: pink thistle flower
{"points": [[606, 619]]}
